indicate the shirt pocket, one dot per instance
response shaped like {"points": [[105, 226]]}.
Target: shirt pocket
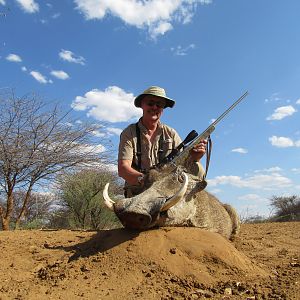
{"points": [[167, 147]]}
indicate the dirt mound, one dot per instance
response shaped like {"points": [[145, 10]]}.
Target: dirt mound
{"points": [[165, 263]]}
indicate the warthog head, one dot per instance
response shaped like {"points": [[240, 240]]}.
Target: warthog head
{"points": [[174, 198]]}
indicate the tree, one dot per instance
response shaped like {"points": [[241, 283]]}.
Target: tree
{"points": [[38, 209], [36, 142], [286, 208], [81, 194]]}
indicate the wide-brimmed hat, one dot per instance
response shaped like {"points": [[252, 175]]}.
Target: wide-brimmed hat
{"points": [[154, 91]]}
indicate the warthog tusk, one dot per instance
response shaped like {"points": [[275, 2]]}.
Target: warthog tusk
{"points": [[107, 201], [173, 200]]}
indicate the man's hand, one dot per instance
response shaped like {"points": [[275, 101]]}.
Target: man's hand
{"points": [[198, 150], [131, 175]]}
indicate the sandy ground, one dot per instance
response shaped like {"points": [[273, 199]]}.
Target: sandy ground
{"points": [[166, 263]]}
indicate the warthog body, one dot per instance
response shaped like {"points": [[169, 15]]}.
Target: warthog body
{"points": [[194, 207]]}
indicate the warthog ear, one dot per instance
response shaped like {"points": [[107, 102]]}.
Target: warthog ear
{"points": [[201, 185]]}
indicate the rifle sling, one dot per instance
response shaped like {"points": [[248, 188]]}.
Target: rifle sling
{"points": [[139, 148], [208, 154]]}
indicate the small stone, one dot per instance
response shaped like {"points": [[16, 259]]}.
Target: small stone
{"points": [[295, 264], [84, 268], [228, 291], [200, 291], [173, 250], [47, 245]]}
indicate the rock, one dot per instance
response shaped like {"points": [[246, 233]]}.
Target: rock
{"points": [[173, 250], [84, 268], [228, 291]]}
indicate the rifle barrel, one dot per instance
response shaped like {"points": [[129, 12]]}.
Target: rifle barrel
{"points": [[229, 109], [181, 157]]}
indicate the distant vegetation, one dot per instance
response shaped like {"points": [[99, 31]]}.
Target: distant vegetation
{"points": [[284, 209], [80, 201], [77, 203]]}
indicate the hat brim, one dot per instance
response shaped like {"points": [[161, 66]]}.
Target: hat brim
{"points": [[138, 100]]}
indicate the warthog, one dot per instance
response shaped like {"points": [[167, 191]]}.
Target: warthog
{"points": [[175, 198]]}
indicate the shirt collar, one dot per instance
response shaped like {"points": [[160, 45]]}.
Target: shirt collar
{"points": [[144, 129]]}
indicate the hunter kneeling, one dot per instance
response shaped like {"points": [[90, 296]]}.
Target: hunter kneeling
{"points": [[146, 143]]}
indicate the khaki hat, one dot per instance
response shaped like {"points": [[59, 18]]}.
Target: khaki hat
{"points": [[154, 91]]}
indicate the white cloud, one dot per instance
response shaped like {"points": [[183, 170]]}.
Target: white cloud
{"points": [[108, 167], [282, 112], [24, 69], [13, 58], [29, 6], [180, 51], [112, 105], [60, 74], [56, 15], [298, 101], [156, 15], [296, 170], [250, 197], [281, 142], [93, 148], [272, 169], [69, 56], [274, 97], [38, 76], [109, 131], [215, 191], [98, 133], [240, 150], [113, 130], [261, 181], [2, 2], [160, 29]]}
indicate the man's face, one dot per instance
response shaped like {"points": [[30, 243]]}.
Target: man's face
{"points": [[152, 107]]}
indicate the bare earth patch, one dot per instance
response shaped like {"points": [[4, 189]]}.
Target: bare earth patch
{"points": [[166, 263]]}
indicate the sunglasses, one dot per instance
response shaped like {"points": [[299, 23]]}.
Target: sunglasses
{"points": [[158, 104]]}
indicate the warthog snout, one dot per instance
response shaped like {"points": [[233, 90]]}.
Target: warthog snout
{"points": [[144, 210], [134, 220]]}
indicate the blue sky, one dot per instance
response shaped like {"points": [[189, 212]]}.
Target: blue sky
{"points": [[97, 55]]}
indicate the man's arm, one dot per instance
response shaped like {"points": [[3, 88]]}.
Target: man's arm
{"points": [[128, 173], [125, 157]]}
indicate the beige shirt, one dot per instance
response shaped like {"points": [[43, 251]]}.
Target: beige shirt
{"points": [[149, 151]]}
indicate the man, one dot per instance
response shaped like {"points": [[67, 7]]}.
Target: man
{"points": [[146, 143]]}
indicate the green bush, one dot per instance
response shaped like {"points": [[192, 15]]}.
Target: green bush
{"points": [[81, 199]]}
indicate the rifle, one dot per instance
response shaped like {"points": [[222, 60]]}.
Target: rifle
{"points": [[178, 157]]}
